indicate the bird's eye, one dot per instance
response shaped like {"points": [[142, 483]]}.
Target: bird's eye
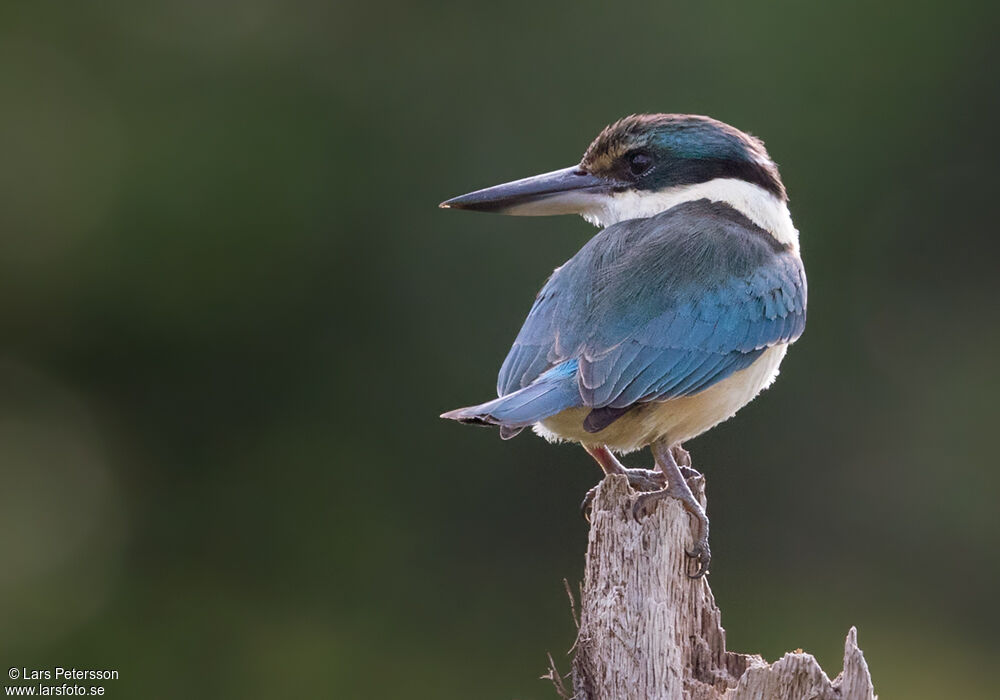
{"points": [[639, 162]]}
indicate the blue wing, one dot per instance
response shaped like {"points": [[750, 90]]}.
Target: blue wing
{"points": [[657, 308]]}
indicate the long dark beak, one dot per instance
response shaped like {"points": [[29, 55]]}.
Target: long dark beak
{"points": [[566, 191]]}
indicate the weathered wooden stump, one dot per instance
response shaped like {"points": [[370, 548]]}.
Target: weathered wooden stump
{"points": [[649, 632]]}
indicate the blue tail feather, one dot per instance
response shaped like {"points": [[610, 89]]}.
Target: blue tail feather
{"points": [[554, 391]]}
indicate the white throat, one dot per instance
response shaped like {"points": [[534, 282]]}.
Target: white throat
{"points": [[753, 201]]}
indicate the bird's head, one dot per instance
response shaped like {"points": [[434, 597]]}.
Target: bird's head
{"points": [[637, 167]]}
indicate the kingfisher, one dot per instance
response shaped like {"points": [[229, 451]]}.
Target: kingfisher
{"points": [[675, 315]]}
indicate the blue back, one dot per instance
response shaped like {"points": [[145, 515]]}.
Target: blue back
{"points": [[652, 309]]}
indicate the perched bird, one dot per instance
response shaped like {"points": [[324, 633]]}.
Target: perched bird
{"points": [[669, 320]]}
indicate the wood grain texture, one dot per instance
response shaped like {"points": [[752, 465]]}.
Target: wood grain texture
{"points": [[648, 632]]}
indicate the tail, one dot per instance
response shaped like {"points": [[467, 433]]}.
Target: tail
{"points": [[554, 391]]}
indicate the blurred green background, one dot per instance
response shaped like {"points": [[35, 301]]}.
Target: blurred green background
{"points": [[230, 313]]}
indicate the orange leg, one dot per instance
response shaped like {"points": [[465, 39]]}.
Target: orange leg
{"points": [[603, 456]]}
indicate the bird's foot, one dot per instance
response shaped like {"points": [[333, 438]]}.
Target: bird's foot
{"points": [[689, 473], [683, 460], [701, 552], [638, 479]]}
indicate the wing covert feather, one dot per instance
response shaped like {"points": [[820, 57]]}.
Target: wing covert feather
{"points": [[662, 307]]}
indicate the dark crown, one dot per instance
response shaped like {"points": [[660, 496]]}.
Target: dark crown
{"points": [[680, 149]]}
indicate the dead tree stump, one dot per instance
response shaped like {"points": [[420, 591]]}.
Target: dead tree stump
{"points": [[648, 632]]}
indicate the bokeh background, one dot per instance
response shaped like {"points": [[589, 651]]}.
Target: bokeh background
{"points": [[230, 313]]}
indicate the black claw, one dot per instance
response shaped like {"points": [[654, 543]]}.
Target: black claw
{"points": [[703, 557], [587, 503], [636, 507], [700, 573], [639, 505]]}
